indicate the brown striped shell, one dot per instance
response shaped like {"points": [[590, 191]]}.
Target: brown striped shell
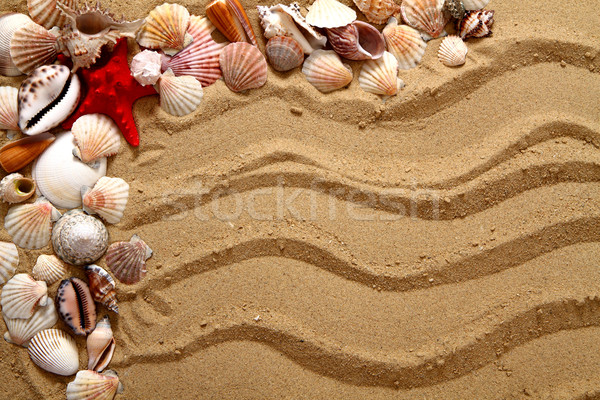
{"points": [[102, 287], [127, 260], [284, 53], [244, 67]]}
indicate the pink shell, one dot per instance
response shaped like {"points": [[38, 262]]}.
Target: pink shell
{"points": [[244, 67], [127, 260], [284, 53], [357, 41]]}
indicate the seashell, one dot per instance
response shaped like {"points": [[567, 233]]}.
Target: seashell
{"points": [[9, 259], [381, 76], [282, 20], [108, 197], [78, 238], [102, 287], [100, 345], [475, 4], [33, 46], [244, 67], [9, 23], [55, 351], [49, 269], [456, 8], [46, 98], [284, 53], [96, 136], [405, 43], [325, 71], [453, 51], [60, 175], [377, 11], [90, 385], [76, 306], [329, 14], [476, 24], [46, 12], [9, 112], [145, 67], [20, 331], [14, 188], [231, 20], [21, 295], [179, 95], [426, 16], [19, 153], [29, 225], [165, 28], [357, 41], [127, 260]]}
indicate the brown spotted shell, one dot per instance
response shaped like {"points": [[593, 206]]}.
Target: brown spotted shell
{"points": [[76, 306]]}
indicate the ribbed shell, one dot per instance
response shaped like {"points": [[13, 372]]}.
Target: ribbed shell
{"points": [[377, 11], [20, 331], [165, 28], [9, 23], [244, 67], [9, 260], [32, 46], [381, 76], [21, 295], [425, 16], [100, 345], [108, 198], [475, 4], [127, 260], [452, 51], [475, 24], [15, 188], [55, 351], [329, 14], [78, 238], [284, 53], [49, 268], [96, 136], [76, 306], [20, 153], [102, 287], [325, 71], [231, 20], [29, 225], [179, 95], [9, 114], [90, 385], [405, 43], [357, 41], [46, 13]]}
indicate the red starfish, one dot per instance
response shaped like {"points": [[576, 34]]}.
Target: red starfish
{"points": [[111, 90]]}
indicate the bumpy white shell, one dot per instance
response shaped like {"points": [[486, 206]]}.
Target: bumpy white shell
{"points": [[49, 268], [9, 23], [325, 71], [96, 136], [426, 16], [405, 43], [329, 14], [9, 114], [179, 95], [453, 51], [381, 76], [55, 351], [29, 225], [78, 238], [20, 331], [165, 28], [475, 4], [145, 67], [127, 260], [100, 345], [9, 259], [90, 385], [108, 198], [21, 295]]}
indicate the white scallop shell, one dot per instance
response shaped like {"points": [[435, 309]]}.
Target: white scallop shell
{"points": [[145, 67], [179, 95], [475, 4], [325, 71], [33, 46], [29, 225], [20, 331], [55, 351], [100, 345], [108, 198], [9, 259], [405, 43], [60, 175], [165, 28], [49, 268], [9, 114], [426, 16], [453, 51], [9, 23], [381, 76], [96, 136], [21, 295], [90, 385], [330, 14], [46, 13]]}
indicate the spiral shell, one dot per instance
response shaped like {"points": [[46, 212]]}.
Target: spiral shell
{"points": [[49, 268], [55, 351], [179, 95], [78, 238], [284, 53], [127, 260], [165, 28], [381, 76], [46, 13], [426, 16], [33, 46], [9, 23], [102, 287], [21, 295], [96, 136], [15, 188], [9, 259], [76, 306], [29, 225], [325, 71], [476, 24], [329, 14], [405, 43], [452, 52], [244, 67], [9, 112], [20, 331], [108, 198], [357, 41], [377, 11], [90, 385]]}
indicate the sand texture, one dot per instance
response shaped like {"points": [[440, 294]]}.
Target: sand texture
{"points": [[444, 244]]}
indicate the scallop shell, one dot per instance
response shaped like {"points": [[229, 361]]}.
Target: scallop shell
{"points": [[476, 24], [76, 306], [453, 51], [127, 260], [231, 20], [90, 385], [9, 112], [284, 53], [29, 225], [179, 95], [357, 41], [55, 351], [21, 295], [244, 67], [426, 16], [165, 28], [145, 67], [46, 13], [405, 43], [475, 4], [9, 259], [325, 71], [108, 197], [19, 153], [33, 46], [100, 345], [15, 188], [377, 11], [49, 269], [9, 23], [381, 76], [102, 287], [20, 331], [329, 14], [96, 136], [60, 175], [79, 239]]}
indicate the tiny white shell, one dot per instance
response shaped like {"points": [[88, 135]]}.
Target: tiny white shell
{"points": [[325, 71], [55, 351], [29, 225], [49, 268], [381, 76], [96, 136], [21, 295], [90, 385], [20, 331], [9, 259], [179, 95], [108, 198], [9, 114], [329, 14], [145, 67], [453, 51]]}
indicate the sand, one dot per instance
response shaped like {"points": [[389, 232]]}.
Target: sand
{"points": [[444, 244]]}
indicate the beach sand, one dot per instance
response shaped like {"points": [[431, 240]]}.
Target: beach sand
{"points": [[443, 244]]}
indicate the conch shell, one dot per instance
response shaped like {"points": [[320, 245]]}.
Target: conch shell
{"points": [[357, 41]]}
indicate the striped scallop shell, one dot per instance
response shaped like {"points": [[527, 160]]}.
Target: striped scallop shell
{"points": [[165, 28], [9, 114], [21, 295], [179, 95], [329, 14], [55, 351], [244, 67], [475, 4], [32, 46], [9, 23], [377, 11], [96, 136], [90, 385], [29, 225], [9, 259], [127, 260], [405, 43], [284, 53], [381, 76], [46, 13], [453, 51], [325, 71], [425, 16], [49, 268], [108, 198], [20, 331], [76, 306]]}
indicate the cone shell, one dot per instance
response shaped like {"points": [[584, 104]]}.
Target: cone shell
{"points": [[102, 287], [381, 76], [21, 295], [46, 13], [329, 14], [96, 136], [405, 43], [29, 225], [179, 95], [90, 385], [79, 239], [15, 188], [32, 46], [231, 20], [244, 67], [108, 198], [145, 67], [100, 345], [476, 24], [127, 260], [20, 331], [325, 71], [357, 41], [9, 259], [475, 4], [9, 23], [9, 114], [49, 269], [76, 306], [453, 51], [284, 53], [55, 351], [377, 11], [20, 153], [426, 16], [165, 28]]}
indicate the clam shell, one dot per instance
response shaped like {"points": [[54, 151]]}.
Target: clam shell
{"points": [[55, 351], [145, 67], [20, 331], [9, 112], [475, 24], [33, 46], [90, 385], [329, 14], [475, 4], [9, 23], [15, 188], [46, 13], [405, 43], [426, 16], [49, 268], [179, 95], [21, 295], [357, 41], [100, 345], [377, 11], [108, 197], [96, 136], [284, 53], [102, 287], [381, 76], [78, 238], [76, 306], [231, 20], [19, 153], [244, 67], [127, 260], [165, 28], [60, 175], [29, 225], [452, 51], [325, 71], [9, 259]]}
